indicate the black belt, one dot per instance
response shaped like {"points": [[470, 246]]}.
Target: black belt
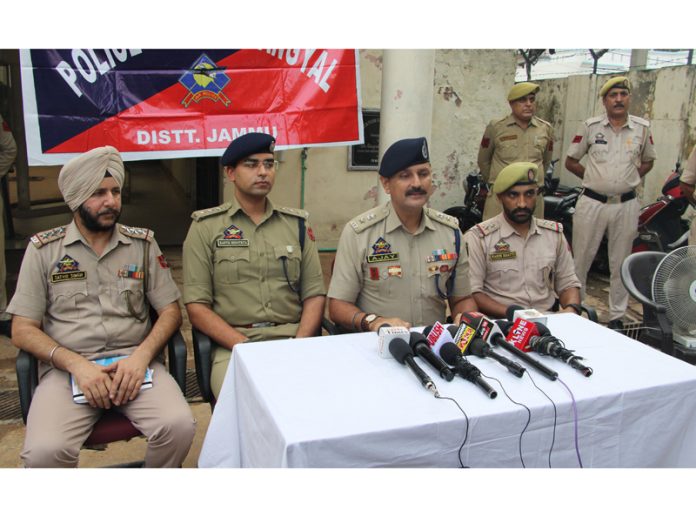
{"points": [[618, 198]]}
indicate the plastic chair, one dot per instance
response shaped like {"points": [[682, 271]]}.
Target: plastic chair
{"points": [[637, 272], [112, 426]]}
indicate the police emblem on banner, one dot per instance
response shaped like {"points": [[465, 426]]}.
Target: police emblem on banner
{"points": [[68, 269], [502, 251], [232, 238], [381, 252], [204, 80]]}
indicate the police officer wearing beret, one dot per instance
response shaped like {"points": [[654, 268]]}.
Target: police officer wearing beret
{"points": [[620, 151], [517, 259], [521, 136], [251, 269], [400, 263]]}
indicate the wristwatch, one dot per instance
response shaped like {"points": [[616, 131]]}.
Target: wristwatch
{"points": [[365, 322]]}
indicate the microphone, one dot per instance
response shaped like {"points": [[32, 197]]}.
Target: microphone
{"points": [[546, 344], [490, 332], [402, 353], [436, 336], [419, 345], [462, 335], [510, 312], [480, 348], [520, 333], [385, 334], [452, 356]]}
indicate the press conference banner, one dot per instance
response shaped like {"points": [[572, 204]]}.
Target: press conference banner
{"points": [[186, 103]]}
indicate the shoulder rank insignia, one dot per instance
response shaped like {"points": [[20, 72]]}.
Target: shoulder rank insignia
{"points": [[550, 225], [136, 233], [207, 212], [297, 212], [443, 218], [42, 238], [486, 228], [369, 218]]}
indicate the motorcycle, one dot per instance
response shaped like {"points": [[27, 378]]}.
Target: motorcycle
{"points": [[471, 213]]}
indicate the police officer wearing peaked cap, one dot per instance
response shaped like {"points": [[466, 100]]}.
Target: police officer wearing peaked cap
{"points": [[517, 259], [401, 262], [620, 151], [520, 136], [251, 268]]}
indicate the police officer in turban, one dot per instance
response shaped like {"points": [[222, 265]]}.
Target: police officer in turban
{"points": [[82, 296]]}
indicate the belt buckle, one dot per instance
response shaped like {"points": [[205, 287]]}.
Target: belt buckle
{"points": [[614, 200]]}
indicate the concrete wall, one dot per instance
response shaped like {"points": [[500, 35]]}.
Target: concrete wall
{"points": [[664, 96], [469, 89]]}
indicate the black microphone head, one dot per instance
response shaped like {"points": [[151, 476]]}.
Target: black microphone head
{"points": [[476, 347], [383, 325], [416, 338], [542, 329], [510, 311], [453, 329], [427, 330], [450, 353], [400, 350], [504, 325]]}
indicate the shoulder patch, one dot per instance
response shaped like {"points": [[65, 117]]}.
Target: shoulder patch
{"points": [[594, 120], [369, 218], [297, 212], [443, 218], [42, 238], [136, 233], [639, 120], [485, 228], [550, 225], [207, 212]]}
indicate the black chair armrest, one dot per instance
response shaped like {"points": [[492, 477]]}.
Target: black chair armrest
{"points": [[591, 313], [203, 357], [176, 348], [633, 290], [329, 326], [27, 369]]}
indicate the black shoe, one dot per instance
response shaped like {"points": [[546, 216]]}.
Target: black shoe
{"points": [[616, 325], [6, 328]]}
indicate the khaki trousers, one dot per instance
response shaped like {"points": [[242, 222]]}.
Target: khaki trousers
{"points": [[620, 221], [57, 427]]}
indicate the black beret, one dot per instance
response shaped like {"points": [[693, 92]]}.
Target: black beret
{"points": [[246, 145], [402, 154]]}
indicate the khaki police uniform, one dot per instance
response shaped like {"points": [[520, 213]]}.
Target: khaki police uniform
{"points": [[385, 270], [8, 152], [236, 267], [81, 300], [611, 169], [505, 142], [689, 177], [530, 271]]}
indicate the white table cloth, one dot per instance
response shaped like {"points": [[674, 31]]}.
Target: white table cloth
{"points": [[333, 402]]}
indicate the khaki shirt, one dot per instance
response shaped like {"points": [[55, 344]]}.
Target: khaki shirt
{"points": [[511, 269], [81, 298], [8, 148], [613, 157], [505, 142], [236, 267], [385, 270], [689, 174]]}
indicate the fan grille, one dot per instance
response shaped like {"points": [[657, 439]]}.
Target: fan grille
{"points": [[674, 286]]}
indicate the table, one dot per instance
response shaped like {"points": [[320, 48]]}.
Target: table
{"points": [[333, 402]]}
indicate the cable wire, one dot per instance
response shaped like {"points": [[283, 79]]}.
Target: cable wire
{"points": [[555, 414], [575, 418], [529, 414], [466, 434]]}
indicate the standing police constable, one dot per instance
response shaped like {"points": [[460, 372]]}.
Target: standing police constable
{"points": [[620, 151], [251, 269], [400, 262], [517, 259], [82, 294], [519, 137], [686, 182]]}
